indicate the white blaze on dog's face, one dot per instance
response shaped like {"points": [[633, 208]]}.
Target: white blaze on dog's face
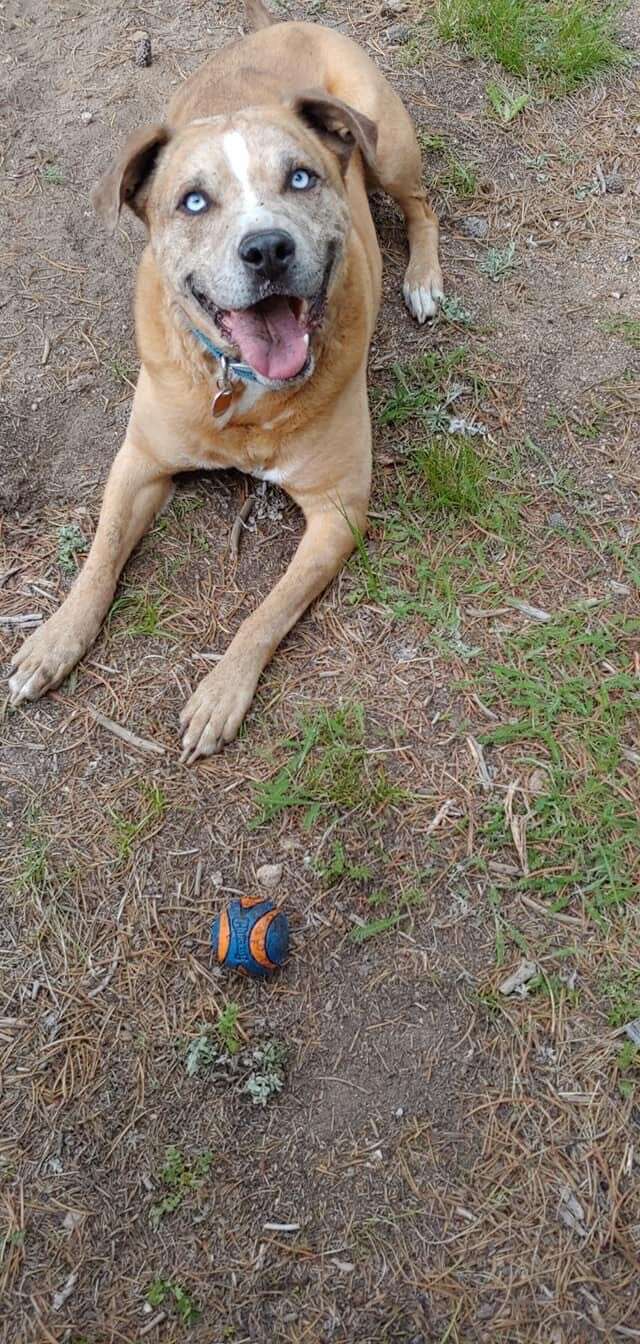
{"points": [[248, 221]]}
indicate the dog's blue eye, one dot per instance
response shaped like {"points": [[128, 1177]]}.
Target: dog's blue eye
{"points": [[302, 179], [195, 202]]}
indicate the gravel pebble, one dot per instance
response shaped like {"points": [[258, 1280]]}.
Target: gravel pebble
{"points": [[269, 874], [398, 33], [474, 226]]}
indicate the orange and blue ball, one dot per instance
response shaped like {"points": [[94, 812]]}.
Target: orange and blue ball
{"points": [[251, 935]]}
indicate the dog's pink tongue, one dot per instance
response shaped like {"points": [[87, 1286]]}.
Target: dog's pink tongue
{"points": [[269, 338]]}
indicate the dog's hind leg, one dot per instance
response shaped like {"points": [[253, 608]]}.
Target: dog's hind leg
{"points": [[399, 172]]}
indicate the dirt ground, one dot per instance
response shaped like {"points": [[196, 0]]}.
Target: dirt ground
{"points": [[444, 1162]]}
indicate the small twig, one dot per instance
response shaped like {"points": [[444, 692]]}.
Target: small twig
{"points": [[142, 743], [440, 816], [151, 1325], [481, 764], [46, 350], [534, 613], [29, 618], [197, 881], [8, 574], [106, 979], [240, 522]]}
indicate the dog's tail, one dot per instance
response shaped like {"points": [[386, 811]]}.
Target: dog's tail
{"points": [[256, 16]]}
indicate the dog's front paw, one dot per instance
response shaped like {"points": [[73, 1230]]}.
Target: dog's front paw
{"points": [[45, 659], [213, 715], [422, 292]]}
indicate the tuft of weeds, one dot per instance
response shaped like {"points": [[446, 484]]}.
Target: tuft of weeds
{"points": [[453, 310], [202, 1053], [507, 106], [498, 262], [411, 53], [627, 328], [339, 866], [167, 1290], [266, 1079], [328, 768], [227, 1028], [180, 1178], [71, 543], [561, 42], [458, 178]]}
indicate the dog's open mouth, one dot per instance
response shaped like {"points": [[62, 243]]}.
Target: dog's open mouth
{"points": [[272, 336]]}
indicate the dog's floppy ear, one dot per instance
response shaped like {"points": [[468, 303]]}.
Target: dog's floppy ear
{"points": [[339, 126], [126, 181], [256, 16]]}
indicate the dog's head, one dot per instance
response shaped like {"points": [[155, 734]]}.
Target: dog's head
{"points": [[248, 221]]}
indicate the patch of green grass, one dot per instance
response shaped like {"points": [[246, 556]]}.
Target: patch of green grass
{"points": [[425, 386], [123, 370], [628, 1068], [498, 262], [165, 1290], [582, 830], [34, 873], [52, 175], [504, 930], [71, 544], [562, 42], [456, 176], [429, 143], [627, 328], [454, 476], [507, 106], [150, 813], [328, 768], [180, 1177], [403, 909], [139, 614], [412, 52], [621, 989]]}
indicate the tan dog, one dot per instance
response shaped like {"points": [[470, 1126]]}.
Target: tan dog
{"points": [[256, 301]]}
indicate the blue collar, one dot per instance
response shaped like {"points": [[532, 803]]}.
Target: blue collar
{"points": [[242, 371]]}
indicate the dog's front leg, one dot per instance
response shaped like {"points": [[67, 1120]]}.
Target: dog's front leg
{"points": [[136, 490], [218, 705]]}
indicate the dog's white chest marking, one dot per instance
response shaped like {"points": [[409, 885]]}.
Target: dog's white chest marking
{"points": [[273, 474]]}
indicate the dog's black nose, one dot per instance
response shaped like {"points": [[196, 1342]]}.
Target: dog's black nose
{"points": [[268, 254]]}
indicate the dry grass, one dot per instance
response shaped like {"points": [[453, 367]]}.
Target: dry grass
{"points": [[445, 1162]]}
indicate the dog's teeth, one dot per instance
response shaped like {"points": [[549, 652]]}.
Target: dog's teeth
{"points": [[306, 338]]}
